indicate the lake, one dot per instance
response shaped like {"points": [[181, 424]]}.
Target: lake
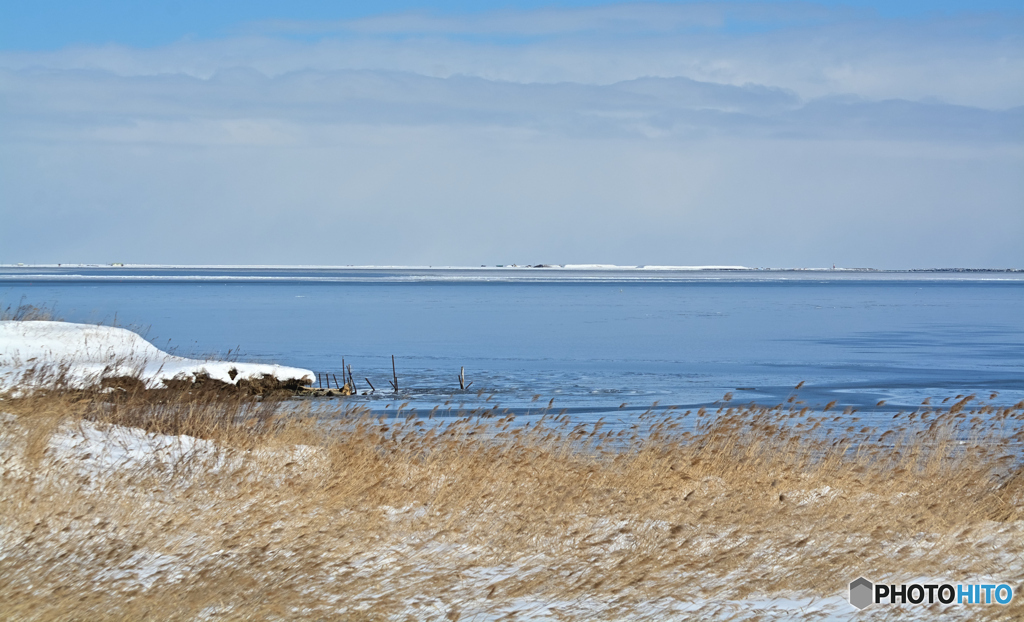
{"points": [[591, 339]]}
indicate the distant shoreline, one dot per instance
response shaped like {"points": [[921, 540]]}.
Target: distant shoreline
{"points": [[530, 274], [511, 267]]}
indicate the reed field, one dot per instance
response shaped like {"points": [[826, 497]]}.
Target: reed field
{"points": [[123, 503]]}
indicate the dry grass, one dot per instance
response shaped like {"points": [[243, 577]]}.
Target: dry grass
{"points": [[749, 513], [26, 312]]}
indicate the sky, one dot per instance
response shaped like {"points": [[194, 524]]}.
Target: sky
{"points": [[766, 134]]}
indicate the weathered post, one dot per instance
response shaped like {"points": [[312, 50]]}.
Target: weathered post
{"points": [[394, 373]]}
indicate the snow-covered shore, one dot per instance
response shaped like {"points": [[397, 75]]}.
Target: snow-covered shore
{"points": [[85, 353]]}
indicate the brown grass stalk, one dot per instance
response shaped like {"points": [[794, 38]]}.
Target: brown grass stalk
{"points": [[279, 513]]}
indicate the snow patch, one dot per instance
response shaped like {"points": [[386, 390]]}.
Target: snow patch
{"points": [[84, 354]]}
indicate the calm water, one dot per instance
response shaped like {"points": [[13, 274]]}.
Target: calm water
{"points": [[592, 340]]}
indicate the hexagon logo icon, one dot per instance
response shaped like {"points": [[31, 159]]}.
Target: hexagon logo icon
{"points": [[861, 592]]}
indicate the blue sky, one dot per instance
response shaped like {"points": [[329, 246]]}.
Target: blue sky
{"points": [[764, 134], [52, 24]]}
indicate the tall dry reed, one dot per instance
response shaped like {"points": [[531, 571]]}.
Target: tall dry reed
{"points": [[267, 511]]}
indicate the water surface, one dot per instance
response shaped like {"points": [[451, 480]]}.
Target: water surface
{"points": [[591, 339]]}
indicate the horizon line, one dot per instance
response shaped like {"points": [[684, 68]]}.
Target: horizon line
{"points": [[541, 266]]}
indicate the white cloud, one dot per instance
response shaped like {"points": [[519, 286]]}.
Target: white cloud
{"points": [[623, 18], [650, 135], [242, 106], [809, 50]]}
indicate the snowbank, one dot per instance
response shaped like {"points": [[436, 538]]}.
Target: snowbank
{"points": [[89, 353]]}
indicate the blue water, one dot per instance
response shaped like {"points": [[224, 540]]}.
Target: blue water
{"points": [[591, 340]]}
